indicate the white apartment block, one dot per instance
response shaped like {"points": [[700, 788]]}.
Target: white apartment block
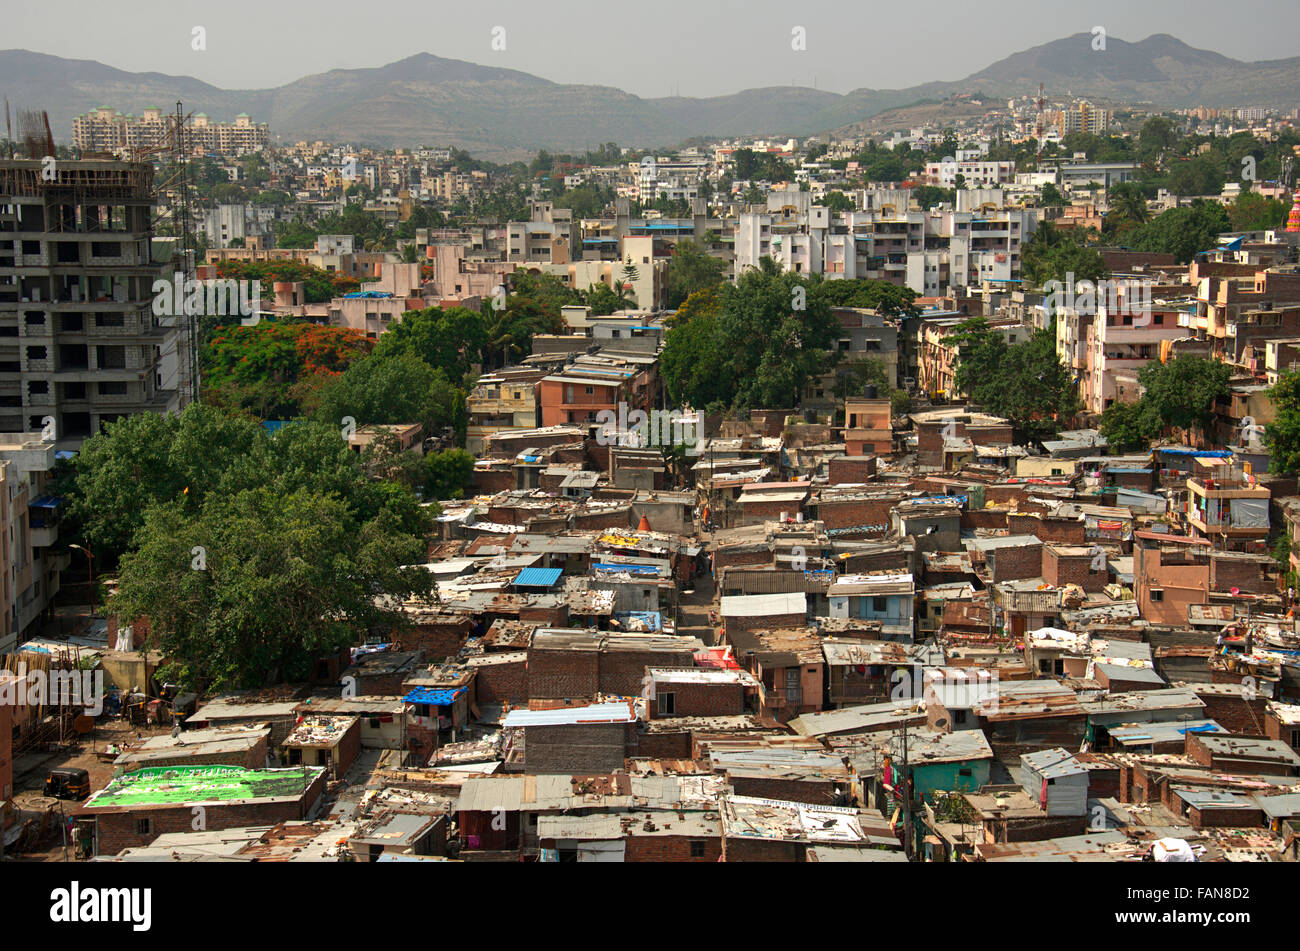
{"points": [[973, 172], [107, 130], [927, 251]]}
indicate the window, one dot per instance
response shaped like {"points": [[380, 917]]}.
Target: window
{"points": [[667, 704], [112, 389], [964, 772], [697, 849], [1157, 594], [879, 605], [144, 827]]}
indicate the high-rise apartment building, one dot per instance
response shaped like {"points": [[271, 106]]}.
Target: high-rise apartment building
{"points": [[107, 130], [80, 344]]}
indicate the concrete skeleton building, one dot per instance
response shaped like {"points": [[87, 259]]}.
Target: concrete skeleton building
{"points": [[80, 344]]}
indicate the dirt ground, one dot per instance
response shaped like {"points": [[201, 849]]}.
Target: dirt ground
{"points": [[30, 770]]}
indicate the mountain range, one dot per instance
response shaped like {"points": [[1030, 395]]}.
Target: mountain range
{"points": [[493, 112]]}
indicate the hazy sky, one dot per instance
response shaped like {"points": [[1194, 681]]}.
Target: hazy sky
{"points": [[702, 47]]}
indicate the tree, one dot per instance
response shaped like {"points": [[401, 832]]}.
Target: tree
{"points": [[1128, 426], [147, 458], [884, 297], [1051, 196], [1128, 207], [1184, 391], [690, 269], [603, 301], [1052, 255], [396, 389], [1183, 232], [693, 364], [1251, 211], [1026, 382], [1282, 436], [247, 591], [450, 340], [836, 201], [927, 196], [448, 474], [756, 342]]}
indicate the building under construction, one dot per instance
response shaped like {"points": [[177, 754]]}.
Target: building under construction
{"points": [[79, 342]]}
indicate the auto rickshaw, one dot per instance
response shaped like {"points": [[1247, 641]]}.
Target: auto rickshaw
{"points": [[67, 783]]}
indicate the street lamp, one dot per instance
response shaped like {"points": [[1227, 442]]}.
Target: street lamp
{"points": [[90, 566]]}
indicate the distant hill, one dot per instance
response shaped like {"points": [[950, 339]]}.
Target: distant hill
{"points": [[494, 112]]}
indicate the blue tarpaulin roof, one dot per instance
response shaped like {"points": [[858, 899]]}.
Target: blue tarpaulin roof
{"points": [[538, 577], [434, 696], [630, 569], [46, 502], [65, 454], [1197, 453]]}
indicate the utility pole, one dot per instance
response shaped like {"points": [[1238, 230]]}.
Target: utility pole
{"points": [[907, 799]]}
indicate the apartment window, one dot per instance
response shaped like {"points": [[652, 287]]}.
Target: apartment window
{"points": [[667, 704], [110, 358], [697, 849], [110, 320], [36, 353], [112, 389]]}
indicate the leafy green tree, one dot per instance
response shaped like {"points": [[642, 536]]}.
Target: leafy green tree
{"points": [[1184, 391], [1128, 208], [693, 364], [1251, 211], [448, 474], [1183, 232], [836, 201], [928, 196], [450, 340], [1129, 426], [884, 297], [691, 269], [1025, 382], [1052, 254], [1051, 196], [604, 301], [1282, 436], [396, 389], [281, 579]]}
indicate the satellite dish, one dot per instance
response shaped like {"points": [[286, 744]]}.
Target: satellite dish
{"points": [[941, 723]]}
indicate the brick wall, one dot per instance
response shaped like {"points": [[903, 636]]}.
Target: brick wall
{"points": [[1020, 561], [758, 511], [972, 519], [558, 674], [574, 748], [665, 745], [762, 850], [872, 513], [604, 518], [817, 792], [1234, 713], [774, 622], [1274, 729], [669, 848], [1227, 573], [438, 639], [498, 683], [492, 481], [622, 672], [852, 469], [1062, 568], [1218, 818], [703, 700], [725, 557]]}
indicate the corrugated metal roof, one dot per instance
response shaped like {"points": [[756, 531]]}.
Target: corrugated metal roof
{"points": [[538, 577], [596, 713]]}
